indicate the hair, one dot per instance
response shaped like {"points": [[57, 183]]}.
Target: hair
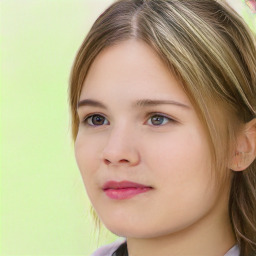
{"points": [[208, 47]]}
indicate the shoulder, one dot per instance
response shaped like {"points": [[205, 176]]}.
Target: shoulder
{"points": [[108, 249]]}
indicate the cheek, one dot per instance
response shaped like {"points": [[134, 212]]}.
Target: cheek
{"points": [[181, 159], [180, 166], [87, 155]]}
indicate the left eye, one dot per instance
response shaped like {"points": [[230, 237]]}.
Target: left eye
{"points": [[157, 120]]}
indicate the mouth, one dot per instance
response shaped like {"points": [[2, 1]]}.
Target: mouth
{"points": [[124, 189]]}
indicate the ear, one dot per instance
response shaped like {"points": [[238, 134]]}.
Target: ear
{"points": [[245, 151]]}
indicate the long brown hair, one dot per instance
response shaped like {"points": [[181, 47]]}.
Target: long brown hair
{"points": [[208, 46]]}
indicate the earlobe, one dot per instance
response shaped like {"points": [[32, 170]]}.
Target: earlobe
{"points": [[245, 152], [241, 161]]}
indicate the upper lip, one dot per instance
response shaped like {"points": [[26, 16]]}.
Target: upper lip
{"points": [[122, 184]]}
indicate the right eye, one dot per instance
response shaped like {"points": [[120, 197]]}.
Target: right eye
{"points": [[95, 120]]}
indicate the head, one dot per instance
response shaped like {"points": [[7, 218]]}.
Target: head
{"points": [[206, 53]]}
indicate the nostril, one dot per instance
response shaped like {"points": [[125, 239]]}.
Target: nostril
{"points": [[106, 161], [123, 161]]}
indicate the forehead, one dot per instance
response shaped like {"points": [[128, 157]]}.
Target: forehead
{"points": [[131, 69]]}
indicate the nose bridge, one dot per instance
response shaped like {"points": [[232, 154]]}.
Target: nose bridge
{"points": [[120, 146]]}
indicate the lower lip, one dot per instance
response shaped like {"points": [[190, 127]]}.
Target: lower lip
{"points": [[125, 193]]}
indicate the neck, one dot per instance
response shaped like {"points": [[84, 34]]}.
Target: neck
{"points": [[210, 236]]}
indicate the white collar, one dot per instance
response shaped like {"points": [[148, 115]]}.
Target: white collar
{"points": [[234, 251]]}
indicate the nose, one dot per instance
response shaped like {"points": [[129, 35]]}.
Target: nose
{"points": [[120, 148]]}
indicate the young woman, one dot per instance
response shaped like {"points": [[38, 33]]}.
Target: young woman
{"points": [[163, 105]]}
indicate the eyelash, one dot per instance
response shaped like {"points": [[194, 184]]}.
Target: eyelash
{"points": [[149, 116]]}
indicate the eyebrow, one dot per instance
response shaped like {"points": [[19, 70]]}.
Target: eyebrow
{"points": [[149, 102], [139, 103]]}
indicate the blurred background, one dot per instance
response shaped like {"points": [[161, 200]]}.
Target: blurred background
{"points": [[44, 207]]}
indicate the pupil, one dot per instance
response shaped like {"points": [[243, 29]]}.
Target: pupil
{"points": [[97, 120], [157, 120]]}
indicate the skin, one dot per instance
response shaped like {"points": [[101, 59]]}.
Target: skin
{"points": [[184, 213]]}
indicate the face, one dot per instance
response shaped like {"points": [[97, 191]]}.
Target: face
{"points": [[141, 149]]}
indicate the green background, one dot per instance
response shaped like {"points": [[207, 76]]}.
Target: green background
{"points": [[44, 208]]}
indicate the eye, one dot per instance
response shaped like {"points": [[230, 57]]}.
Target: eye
{"points": [[95, 120], [158, 120]]}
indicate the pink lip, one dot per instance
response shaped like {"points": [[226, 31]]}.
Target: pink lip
{"points": [[124, 189]]}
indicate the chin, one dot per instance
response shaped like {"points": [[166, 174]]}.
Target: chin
{"points": [[123, 229], [147, 230]]}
